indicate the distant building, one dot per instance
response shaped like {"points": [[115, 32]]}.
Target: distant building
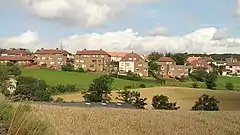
{"points": [[191, 59], [167, 68], [19, 60], [232, 68], [200, 64], [93, 60], [209, 60], [51, 58], [116, 56], [16, 52], [133, 62]]}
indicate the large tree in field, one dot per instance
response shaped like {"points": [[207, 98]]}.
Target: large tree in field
{"points": [[99, 90]]}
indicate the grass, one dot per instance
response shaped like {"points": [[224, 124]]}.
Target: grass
{"points": [[222, 80], [185, 97], [100, 121], [53, 77]]}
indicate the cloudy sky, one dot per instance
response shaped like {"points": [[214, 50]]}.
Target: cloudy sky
{"points": [[206, 26]]}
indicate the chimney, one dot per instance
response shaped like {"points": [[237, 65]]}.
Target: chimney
{"points": [[42, 48], [56, 48], [100, 49], [132, 52], [85, 49]]}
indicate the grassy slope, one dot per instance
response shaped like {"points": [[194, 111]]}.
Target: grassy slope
{"points": [[99, 121], [53, 77], [185, 97], [222, 80]]}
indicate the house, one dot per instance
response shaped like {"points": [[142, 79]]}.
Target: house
{"points": [[200, 64], [231, 59], [19, 60], [209, 60], [133, 62], [92, 60], [51, 58], [232, 68], [167, 68], [16, 52], [116, 56], [192, 58]]}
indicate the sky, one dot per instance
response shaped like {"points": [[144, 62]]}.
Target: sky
{"points": [[203, 26]]}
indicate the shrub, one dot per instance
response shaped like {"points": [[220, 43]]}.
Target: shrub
{"points": [[180, 79], [195, 85], [63, 88], [67, 67], [206, 103], [198, 75], [81, 70], [162, 102], [128, 87], [29, 88], [132, 97], [59, 99], [210, 80], [99, 90], [229, 86], [129, 76], [142, 85]]}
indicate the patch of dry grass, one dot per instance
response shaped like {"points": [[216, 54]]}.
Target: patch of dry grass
{"points": [[100, 121], [185, 97]]}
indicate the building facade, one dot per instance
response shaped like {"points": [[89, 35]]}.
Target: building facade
{"points": [[232, 68], [51, 58], [201, 64], [92, 60], [133, 62], [19, 60], [167, 68], [16, 52]]}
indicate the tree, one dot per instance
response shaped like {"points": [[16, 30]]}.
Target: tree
{"points": [[198, 75], [153, 66], [67, 67], [154, 56], [210, 80], [162, 102], [206, 103], [229, 86], [99, 90], [30, 88], [7, 70], [132, 97]]}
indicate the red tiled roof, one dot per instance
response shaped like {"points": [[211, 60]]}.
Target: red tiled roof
{"points": [[190, 59], [199, 64], [165, 59], [17, 52], [207, 59], [236, 63], [92, 52], [51, 51], [117, 54], [17, 58], [131, 55]]}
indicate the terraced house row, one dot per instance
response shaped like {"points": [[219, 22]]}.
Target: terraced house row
{"points": [[121, 62]]}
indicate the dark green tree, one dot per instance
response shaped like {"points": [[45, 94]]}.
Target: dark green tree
{"points": [[99, 90], [154, 56], [210, 80], [206, 103], [198, 75], [67, 67], [229, 86], [153, 66], [162, 102]]}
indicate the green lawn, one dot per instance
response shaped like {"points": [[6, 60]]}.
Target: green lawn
{"points": [[222, 80], [53, 77]]}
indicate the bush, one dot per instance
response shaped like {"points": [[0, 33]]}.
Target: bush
{"points": [[67, 67], [180, 79], [142, 85], [99, 90], [195, 85], [229, 86], [29, 88], [59, 99], [63, 88], [81, 70], [162, 102], [133, 77], [206, 103], [132, 97], [128, 87], [210, 80], [198, 75]]}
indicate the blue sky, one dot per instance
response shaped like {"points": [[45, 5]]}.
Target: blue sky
{"points": [[179, 17]]}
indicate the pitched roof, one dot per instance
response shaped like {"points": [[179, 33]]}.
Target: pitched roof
{"points": [[193, 58], [51, 51], [117, 54], [207, 59], [17, 52], [236, 63], [199, 63], [17, 58], [92, 52], [131, 56], [165, 59]]}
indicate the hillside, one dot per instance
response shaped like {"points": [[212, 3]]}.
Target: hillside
{"points": [[99, 121], [185, 97]]}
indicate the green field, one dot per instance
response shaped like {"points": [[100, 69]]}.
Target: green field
{"points": [[53, 77]]}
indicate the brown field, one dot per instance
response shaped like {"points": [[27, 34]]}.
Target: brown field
{"points": [[100, 121], [185, 97]]}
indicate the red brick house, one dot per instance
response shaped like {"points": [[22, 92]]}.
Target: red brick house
{"points": [[19, 60], [200, 64], [51, 58]]}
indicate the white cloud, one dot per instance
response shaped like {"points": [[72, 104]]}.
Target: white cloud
{"points": [[158, 31], [27, 39], [238, 7], [199, 41], [79, 12]]}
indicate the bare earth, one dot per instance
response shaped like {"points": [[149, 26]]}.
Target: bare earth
{"points": [[185, 97], [100, 121]]}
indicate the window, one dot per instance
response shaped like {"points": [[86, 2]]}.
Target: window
{"points": [[169, 72], [59, 62], [127, 64], [93, 55], [139, 65], [172, 68], [230, 66], [43, 58], [82, 61], [84, 56], [102, 56], [88, 56], [99, 60], [94, 60], [59, 58], [162, 68], [180, 68], [134, 58], [51, 63], [96, 55], [19, 62], [130, 58], [91, 65], [122, 64], [137, 69], [146, 69], [77, 60], [49, 58], [162, 73]]}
